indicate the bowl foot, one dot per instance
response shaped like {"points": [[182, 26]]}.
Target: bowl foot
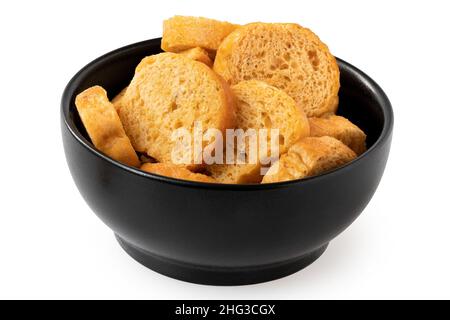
{"points": [[216, 275]]}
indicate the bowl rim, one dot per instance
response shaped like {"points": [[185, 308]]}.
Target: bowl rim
{"points": [[69, 92]]}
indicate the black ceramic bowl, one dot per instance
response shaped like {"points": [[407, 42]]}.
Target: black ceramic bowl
{"points": [[224, 234]]}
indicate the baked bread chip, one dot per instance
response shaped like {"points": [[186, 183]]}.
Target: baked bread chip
{"points": [[198, 54], [235, 173], [170, 92], [104, 127], [174, 171], [340, 128], [262, 106], [183, 32], [117, 100], [309, 157], [286, 56], [289, 167]]}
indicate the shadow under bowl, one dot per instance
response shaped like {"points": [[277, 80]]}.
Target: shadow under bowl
{"points": [[224, 234]]}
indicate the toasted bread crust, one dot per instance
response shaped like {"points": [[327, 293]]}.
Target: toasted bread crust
{"points": [[170, 91], [104, 126], [308, 157], [184, 32], [286, 56], [198, 54], [341, 129], [174, 171]]}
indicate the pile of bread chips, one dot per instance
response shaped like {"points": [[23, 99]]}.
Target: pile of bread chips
{"points": [[227, 76]]}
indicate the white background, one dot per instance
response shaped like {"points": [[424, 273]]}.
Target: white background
{"points": [[53, 246]]}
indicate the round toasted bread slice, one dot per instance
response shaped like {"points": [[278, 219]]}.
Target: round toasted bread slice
{"points": [[262, 106], [286, 56], [341, 129], [170, 92], [104, 127], [198, 54], [184, 32], [174, 171], [309, 157]]}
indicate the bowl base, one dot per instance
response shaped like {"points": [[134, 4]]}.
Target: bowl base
{"points": [[218, 275]]}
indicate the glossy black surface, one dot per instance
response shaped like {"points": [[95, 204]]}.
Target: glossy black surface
{"points": [[224, 234]]}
